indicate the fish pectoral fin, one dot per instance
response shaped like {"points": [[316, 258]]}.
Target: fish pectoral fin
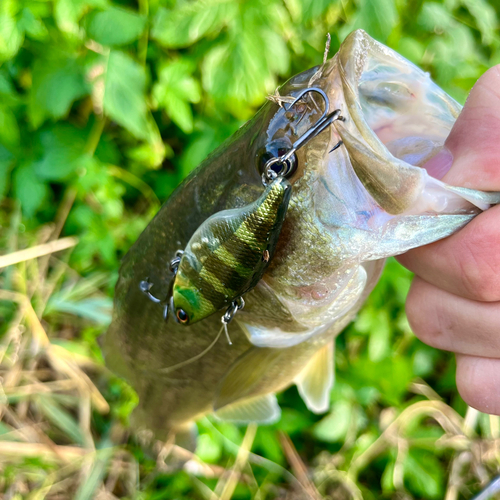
{"points": [[260, 409], [247, 377], [316, 380]]}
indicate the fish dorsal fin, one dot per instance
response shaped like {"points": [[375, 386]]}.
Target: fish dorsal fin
{"points": [[244, 378], [261, 409], [316, 380]]}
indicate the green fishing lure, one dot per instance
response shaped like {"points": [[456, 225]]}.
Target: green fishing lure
{"points": [[228, 254]]}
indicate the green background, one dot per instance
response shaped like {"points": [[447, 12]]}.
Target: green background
{"points": [[104, 108]]}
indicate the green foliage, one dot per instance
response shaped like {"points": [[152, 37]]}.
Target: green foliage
{"points": [[105, 106]]}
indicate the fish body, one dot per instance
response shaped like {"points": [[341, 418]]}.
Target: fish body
{"points": [[349, 210], [228, 254]]}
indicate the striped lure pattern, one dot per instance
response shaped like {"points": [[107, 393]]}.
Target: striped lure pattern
{"points": [[228, 254]]}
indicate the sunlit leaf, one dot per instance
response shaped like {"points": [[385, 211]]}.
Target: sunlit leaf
{"points": [[9, 129], [377, 17], [67, 13], [186, 24], [32, 25], [127, 26], [124, 94], [57, 82], [11, 36], [174, 91]]}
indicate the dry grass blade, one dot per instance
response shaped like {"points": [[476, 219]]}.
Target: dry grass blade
{"points": [[33, 450], [298, 465], [37, 251], [227, 484]]}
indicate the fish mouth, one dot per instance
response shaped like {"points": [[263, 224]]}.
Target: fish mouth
{"points": [[396, 124]]}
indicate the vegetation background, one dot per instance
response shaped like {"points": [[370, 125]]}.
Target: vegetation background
{"points": [[105, 106]]}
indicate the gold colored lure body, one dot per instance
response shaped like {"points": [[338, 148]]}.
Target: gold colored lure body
{"points": [[228, 254]]}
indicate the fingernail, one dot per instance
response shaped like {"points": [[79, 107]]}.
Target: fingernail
{"points": [[439, 165]]}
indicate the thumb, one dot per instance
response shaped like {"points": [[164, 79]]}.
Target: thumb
{"points": [[473, 147]]}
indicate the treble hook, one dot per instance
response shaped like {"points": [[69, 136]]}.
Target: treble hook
{"points": [[325, 121]]}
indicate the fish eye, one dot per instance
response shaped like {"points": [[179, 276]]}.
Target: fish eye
{"points": [[182, 316], [275, 149]]}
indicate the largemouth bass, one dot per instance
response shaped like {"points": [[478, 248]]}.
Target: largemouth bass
{"points": [[350, 208]]}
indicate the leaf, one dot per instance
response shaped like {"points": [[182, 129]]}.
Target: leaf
{"points": [[127, 26], [57, 83], [124, 94], [63, 152], [9, 129], [29, 190], [380, 335], [32, 25], [186, 24], [11, 37], [335, 425], [208, 449], [174, 91], [67, 13], [424, 474], [244, 65], [6, 162], [485, 17], [377, 17]]}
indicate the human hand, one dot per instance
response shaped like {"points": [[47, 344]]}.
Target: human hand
{"points": [[454, 301]]}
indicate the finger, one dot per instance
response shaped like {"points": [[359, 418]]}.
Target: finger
{"points": [[464, 263], [452, 323], [467, 263], [478, 382], [474, 141]]}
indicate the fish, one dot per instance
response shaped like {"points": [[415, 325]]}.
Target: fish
{"points": [[350, 208]]}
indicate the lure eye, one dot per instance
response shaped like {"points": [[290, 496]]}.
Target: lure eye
{"points": [[182, 316]]}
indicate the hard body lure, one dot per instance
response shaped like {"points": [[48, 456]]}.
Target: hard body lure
{"points": [[228, 254]]}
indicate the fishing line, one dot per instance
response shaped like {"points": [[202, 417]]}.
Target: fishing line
{"points": [[170, 369]]}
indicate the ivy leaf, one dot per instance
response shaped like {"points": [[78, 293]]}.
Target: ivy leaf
{"points": [[57, 83], [190, 22], [124, 94], [63, 152], [127, 26], [174, 91], [29, 190]]}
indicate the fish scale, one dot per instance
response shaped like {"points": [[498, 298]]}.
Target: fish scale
{"points": [[226, 256]]}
